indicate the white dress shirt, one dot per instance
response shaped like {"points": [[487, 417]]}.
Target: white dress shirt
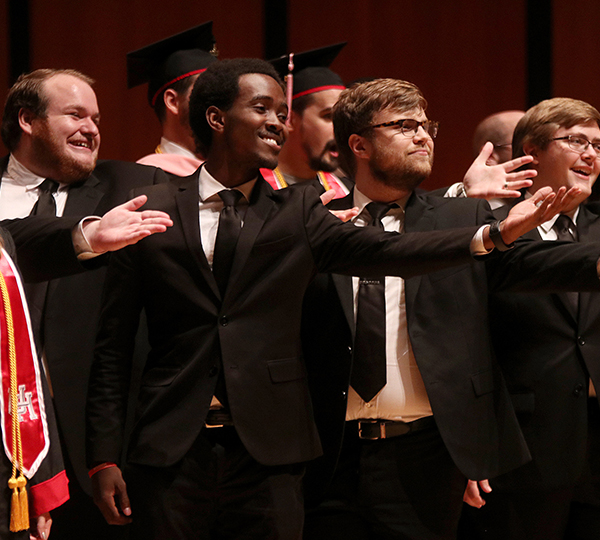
{"points": [[169, 147], [404, 396], [19, 191], [210, 209]]}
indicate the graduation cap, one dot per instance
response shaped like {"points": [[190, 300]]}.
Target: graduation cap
{"points": [[167, 61], [310, 70]]}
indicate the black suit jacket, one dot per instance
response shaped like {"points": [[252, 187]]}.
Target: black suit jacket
{"points": [[45, 251], [448, 319], [254, 331], [547, 362]]}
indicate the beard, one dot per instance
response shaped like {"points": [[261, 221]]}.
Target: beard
{"points": [[65, 168], [324, 161], [404, 173]]}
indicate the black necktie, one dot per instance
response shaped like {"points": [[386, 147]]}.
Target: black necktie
{"points": [[36, 292], [368, 368], [46, 205], [230, 225], [567, 230]]}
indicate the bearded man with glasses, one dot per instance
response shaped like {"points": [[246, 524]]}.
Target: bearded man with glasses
{"points": [[409, 399]]}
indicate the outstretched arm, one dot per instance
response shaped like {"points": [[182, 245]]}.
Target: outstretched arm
{"points": [[483, 181], [123, 226], [532, 212]]}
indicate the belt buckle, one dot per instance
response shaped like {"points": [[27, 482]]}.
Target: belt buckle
{"points": [[371, 422]]}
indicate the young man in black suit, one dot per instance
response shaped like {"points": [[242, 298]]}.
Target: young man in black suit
{"points": [[439, 413], [224, 420], [50, 125], [549, 363]]}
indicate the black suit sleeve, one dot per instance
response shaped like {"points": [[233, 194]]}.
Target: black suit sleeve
{"points": [[342, 248]]}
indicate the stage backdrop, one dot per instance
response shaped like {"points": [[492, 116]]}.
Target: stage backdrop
{"points": [[468, 57]]}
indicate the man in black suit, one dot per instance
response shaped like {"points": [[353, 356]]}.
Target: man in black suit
{"points": [[50, 126], [553, 355], [439, 412], [224, 419]]}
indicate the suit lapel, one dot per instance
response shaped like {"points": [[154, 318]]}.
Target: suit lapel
{"points": [[83, 199], [187, 199], [588, 225], [259, 207], [418, 217], [343, 284]]}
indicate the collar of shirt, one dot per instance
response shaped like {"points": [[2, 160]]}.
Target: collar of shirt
{"points": [[209, 188], [21, 175], [546, 227], [169, 147], [363, 218]]}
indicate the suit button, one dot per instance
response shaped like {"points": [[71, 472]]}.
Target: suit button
{"points": [[581, 341], [578, 390], [350, 349], [344, 394], [223, 321], [213, 371]]}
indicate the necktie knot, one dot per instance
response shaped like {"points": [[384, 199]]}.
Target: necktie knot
{"points": [[45, 205], [565, 228], [48, 186], [230, 197], [378, 210]]}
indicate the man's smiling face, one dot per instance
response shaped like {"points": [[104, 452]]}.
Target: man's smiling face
{"points": [[255, 124], [559, 165], [66, 141]]}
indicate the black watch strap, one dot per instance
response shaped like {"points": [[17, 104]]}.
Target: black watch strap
{"points": [[496, 237]]}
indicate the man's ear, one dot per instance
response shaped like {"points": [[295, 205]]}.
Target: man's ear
{"points": [[26, 118], [171, 99], [531, 149], [215, 118], [295, 120], [360, 146]]}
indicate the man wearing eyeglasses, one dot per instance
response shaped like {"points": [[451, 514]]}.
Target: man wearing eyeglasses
{"points": [[555, 347], [407, 363]]}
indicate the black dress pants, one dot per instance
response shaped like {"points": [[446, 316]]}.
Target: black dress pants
{"points": [[217, 491], [405, 487]]}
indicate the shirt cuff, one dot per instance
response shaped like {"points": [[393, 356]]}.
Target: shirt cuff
{"points": [[477, 246], [82, 247], [456, 190]]}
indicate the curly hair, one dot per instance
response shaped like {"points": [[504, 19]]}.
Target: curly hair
{"points": [[219, 87]]}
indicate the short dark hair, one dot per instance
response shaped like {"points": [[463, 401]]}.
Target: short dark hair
{"points": [[356, 106], [219, 87], [300, 103], [181, 87], [28, 93]]}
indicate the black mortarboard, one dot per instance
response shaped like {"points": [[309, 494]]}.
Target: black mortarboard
{"points": [[170, 60], [311, 70]]}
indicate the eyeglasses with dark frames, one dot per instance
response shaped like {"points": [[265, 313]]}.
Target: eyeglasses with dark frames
{"points": [[579, 143], [409, 126]]}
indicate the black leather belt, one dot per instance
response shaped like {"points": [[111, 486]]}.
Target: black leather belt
{"points": [[373, 430], [218, 418]]}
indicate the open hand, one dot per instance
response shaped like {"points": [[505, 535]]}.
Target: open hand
{"points": [[123, 226], [483, 181]]}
